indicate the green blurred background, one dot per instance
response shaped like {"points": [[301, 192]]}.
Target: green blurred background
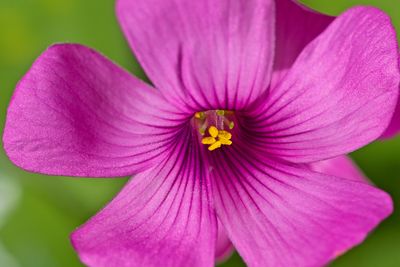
{"points": [[37, 212]]}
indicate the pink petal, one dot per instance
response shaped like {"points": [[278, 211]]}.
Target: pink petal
{"points": [[296, 26], [342, 166], [204, 54], [285, 215], [338, 96], [76, 113], [163, 217], [224, 247], [394, 126]]}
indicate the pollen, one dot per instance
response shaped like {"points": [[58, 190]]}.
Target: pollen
{"points": [[214, 127], [208, 140], [199, 115], [225, 141], [224, 135], [217, 138], [213, 131], [214, 146]]}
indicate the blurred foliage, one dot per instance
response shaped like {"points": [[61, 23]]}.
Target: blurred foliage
{"points": [[36, 232]]}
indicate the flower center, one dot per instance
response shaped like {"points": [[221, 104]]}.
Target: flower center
{"points": [[214, 126]]}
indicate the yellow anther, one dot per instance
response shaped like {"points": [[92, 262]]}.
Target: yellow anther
{"points": [[220, 112], [199, 115], [208, 140], [225, 141], [214, 127], [213, 131], [224, 135], [214, 146], [202, 131]]}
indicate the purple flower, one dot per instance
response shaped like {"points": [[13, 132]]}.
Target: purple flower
{"points": [[250, 94]]}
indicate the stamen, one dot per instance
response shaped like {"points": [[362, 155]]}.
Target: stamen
{"points": [[199, 115], [215, 146], [217, 138], [208, 140], [218, 133], [224, 135], [213, 131], [225, 141], [220, 112]]}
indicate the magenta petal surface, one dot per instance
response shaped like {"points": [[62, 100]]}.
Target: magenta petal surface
{"points": [[223, 247], [204, 54], [76, 113], [163, 217], [296, 26], [394, 126], [283, 215], [342, 166], [339, 94]]}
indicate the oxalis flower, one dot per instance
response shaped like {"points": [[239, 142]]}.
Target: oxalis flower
{"points": [[249, 97]]}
